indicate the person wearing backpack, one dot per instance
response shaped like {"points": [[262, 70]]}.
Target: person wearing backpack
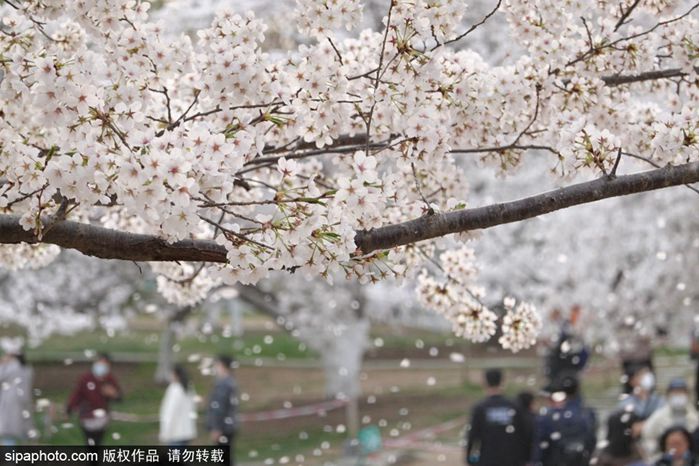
{"points": [[625, 423], [622, 448], [497, 435], [569, 354], [566, 430]]}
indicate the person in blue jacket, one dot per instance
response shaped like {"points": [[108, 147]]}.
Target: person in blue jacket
{"points": [[566, 431]]}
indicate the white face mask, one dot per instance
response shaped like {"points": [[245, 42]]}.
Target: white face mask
{"points": [[100, 369], [647, 381], [678, 401]]}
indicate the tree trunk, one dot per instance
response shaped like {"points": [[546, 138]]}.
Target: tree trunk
{"points": [[166, 355], [342, 360]]}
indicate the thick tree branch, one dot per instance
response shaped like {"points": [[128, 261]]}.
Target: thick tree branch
{"points": [[111, 244], [618, 80], [497, 214]]}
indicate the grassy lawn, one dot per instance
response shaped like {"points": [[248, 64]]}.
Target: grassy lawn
{"points": [[402, 399], [251, 345], [259, 440]]}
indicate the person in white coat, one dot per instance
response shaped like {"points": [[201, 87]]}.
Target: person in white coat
{"points": [[678, 411], [15, 394], [178, 413]]}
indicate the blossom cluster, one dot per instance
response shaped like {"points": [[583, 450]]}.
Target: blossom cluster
{"points": [[283, 157], [520, 326], [456, 298], [460, 300], [320, 18]]}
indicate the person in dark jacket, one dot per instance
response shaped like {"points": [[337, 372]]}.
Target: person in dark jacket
{"points": [[622, 448], [221, 422], [91, 398], [569, 354], [527, 407], [497, 435], [566, 432]]}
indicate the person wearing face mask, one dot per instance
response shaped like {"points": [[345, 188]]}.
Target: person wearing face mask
{"points": [[643, 400], [222, 412], [678, 411], [91, 398], [625, 423]]}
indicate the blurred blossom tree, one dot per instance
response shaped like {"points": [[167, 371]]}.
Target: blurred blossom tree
{"points": [[627, 261], [72, 294], [221, 162], [335, 321]]}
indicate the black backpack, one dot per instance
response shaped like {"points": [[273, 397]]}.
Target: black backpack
{"points": [[619, 433], [573, 443]]}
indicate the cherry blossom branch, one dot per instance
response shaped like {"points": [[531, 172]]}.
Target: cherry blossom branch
{"points": [[438, 225], [625, 14], [337, 52], [618, 80], [112, 244], [652, 163], [605, 45], [480, 150], [37, 24], [335, 148], [427, 209], [378, 78], [469, 30], [106, 243]]}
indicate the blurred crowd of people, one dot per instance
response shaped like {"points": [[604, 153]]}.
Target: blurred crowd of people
{"points": [[650, 425], [98, 388]]}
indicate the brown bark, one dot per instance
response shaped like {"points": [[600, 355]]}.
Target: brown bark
{"points": [[618, 80], [111, 244]]}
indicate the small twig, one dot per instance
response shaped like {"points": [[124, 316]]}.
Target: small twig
{"points": [[428, 209], [138, 266], [311, 153], [625, 15], [184, 114], [612, 44], [612, 174], [378, 78], [188, 280], [514, 145], [58, 216], [470, 30], [337, 52], [589, 34], [39, 25], [363, 75], [235, 234], [479, 150]]}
